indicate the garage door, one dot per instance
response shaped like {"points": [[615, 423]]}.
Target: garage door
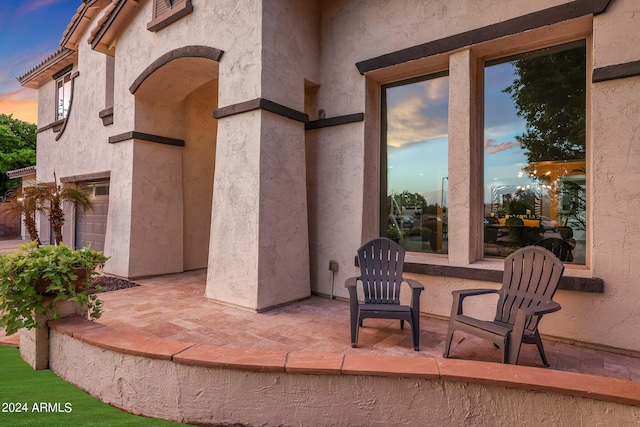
{"points": [[91, 226]]}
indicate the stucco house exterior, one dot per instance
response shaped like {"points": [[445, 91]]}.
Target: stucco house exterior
{"points": [[255, 138]]}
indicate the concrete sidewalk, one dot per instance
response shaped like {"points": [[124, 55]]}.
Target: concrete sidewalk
{"points": [[10, 245]]}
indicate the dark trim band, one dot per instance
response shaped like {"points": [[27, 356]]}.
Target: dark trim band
{"points": [[98, 176], [62, 72], [260, 104], [53, 125], [614, 72], [184, 52], [584, 284], [552, 15], [107, 116], [334, 121], [145, 137]]}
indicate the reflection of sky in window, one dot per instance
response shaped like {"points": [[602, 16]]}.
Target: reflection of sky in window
{"points": [[417, 140], [504, 158], [417, 143]]}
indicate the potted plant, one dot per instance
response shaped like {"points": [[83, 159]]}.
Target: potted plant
{"points": [[34, 278]]}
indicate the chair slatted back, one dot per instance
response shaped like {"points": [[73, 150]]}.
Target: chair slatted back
{"points": [[559, 247], [531, 277], [381, 262]]}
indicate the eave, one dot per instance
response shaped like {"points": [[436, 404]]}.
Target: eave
{"points": [[43, 72], [104, 35], [80, 22]]}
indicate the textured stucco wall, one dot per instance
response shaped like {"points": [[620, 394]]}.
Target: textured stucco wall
{"points": [[156, 210], [353, 31], [169, 105], [235, 212], [271, 47], [192, 394], [197, 173], [260, 177]]}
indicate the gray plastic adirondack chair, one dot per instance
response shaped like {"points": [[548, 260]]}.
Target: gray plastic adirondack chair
{"points": [[381, 262], [531, 277]]}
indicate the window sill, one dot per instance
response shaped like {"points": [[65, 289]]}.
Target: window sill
{"points": [[568, 282]]}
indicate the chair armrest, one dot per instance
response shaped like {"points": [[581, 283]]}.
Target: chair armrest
{"points": [[460, 295], [416, 289], [414, 284], [541, 309], [471, 292], [351, 282]]}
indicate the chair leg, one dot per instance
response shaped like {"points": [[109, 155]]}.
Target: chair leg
{"points": [[538, 341], [447, 346], [355, 324], [415, 331], [505, 350], [401, 324]]}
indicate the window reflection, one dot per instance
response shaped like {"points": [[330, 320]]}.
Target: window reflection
{"points": [[534, 141], [415, 141]]}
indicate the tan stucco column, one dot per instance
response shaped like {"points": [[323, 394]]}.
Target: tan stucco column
{"points": [[465, 159], [259, 252], [145, 229]]}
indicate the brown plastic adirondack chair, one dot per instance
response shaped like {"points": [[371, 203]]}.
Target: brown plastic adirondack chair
{"points": [[531, 277], [381, 261]]}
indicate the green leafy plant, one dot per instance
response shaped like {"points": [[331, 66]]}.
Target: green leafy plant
{"points": [[393, 233], [31, 273]]}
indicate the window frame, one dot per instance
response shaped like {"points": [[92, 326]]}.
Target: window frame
{"points": [[553, 47], [166, 12], [470, 252], [384, 208], [61, 78]]}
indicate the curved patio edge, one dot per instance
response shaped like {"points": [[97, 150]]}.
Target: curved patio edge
{"points": [[203, 384]]}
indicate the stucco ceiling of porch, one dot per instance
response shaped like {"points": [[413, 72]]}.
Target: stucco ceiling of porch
{"points": [[174, 81]]}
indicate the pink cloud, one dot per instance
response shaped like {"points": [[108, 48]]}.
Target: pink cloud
{"points": [[491, 147], [34, 5], [22, 103]]}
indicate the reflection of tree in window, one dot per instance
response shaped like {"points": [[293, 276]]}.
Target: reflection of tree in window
{"points": [[550, 94], [547, 90]]}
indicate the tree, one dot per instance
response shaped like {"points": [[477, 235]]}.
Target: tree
{"points": [[409, 200], [51, 197], [550, 93], [23, 204], [17, 149]]}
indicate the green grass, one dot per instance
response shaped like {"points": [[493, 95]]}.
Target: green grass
{"points": [[62, 403]]}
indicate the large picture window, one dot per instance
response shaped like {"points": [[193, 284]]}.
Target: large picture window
{"points": [[415, 163], [535, 152]]}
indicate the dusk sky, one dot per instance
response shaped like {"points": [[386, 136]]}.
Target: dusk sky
{"points": [[30, 30], [417, 137]]}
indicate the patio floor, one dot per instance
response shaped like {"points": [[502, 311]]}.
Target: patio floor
{"points": [[174, 307]]}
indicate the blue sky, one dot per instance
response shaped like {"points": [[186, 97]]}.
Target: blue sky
{"points": [[30, 30]]}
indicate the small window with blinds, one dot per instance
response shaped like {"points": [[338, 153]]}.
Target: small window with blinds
{"points": [[166, 12]]}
